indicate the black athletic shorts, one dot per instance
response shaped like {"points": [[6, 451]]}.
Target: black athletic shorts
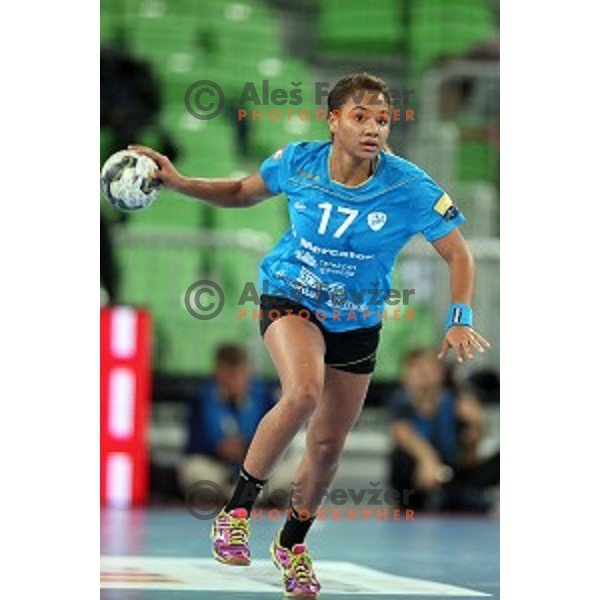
{"points": [[353, 351]]}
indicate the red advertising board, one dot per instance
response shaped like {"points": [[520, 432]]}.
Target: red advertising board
{"points": [[125, 371]]}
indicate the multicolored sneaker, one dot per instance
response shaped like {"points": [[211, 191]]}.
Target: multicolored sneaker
{"points": [[299, 580], [229, 534]]}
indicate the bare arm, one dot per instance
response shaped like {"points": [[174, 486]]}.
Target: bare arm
{"points": [[454, 250], [226, 193]]}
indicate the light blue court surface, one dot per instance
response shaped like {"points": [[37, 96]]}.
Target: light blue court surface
{"points": [[165, 554]]}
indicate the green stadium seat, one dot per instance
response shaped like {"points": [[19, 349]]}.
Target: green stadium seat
{"points": [[108, 27], [400, 336], [269, 218], [158, 39], [248, 42], [356, 28], [478, 156], [268, 135], [157, 278], [478, 161], [441, 29]]}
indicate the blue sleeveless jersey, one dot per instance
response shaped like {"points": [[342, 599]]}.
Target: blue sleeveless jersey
{"points": [[338, 255]]}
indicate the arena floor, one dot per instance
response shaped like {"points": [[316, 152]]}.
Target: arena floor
{"points": [[158, 554]]}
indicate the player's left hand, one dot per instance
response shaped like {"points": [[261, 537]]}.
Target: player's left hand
{"points": [[464, 341]]}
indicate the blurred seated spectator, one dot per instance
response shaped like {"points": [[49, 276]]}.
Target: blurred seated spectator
{"points": [[222, 421], [436, 431]]}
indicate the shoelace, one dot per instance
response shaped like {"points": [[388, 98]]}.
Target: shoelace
{"points": [[238, 531], [302, 566]]}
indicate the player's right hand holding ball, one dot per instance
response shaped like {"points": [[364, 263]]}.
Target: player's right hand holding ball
{"points": [[166, 173]]}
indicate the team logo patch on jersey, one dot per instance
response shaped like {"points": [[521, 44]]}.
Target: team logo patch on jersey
{"points": [[376, 220]]}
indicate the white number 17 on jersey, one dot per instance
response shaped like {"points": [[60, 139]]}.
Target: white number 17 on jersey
{"points": [[327, 207]]}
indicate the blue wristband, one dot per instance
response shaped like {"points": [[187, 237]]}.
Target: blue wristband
{"points": [[459, 314]]}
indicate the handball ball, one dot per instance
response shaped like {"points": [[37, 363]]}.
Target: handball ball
{"points": [[126, 183]]}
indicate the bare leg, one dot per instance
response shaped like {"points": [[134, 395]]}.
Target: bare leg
{"points": [[328, 427], [297, 349]]}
